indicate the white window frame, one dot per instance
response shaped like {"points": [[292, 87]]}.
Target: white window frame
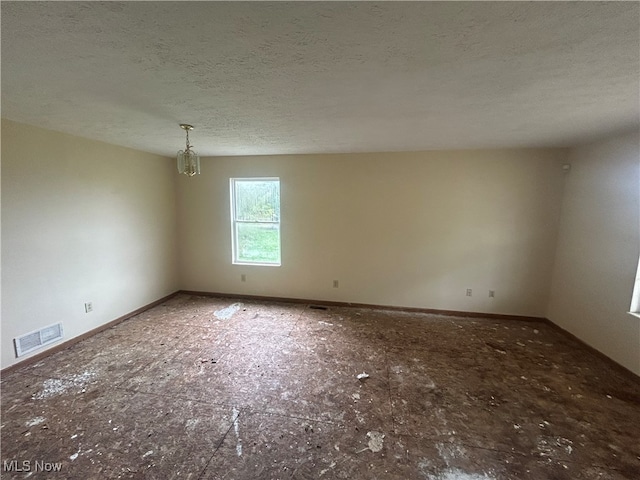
{"points": [[634, 309], [235, 223]]}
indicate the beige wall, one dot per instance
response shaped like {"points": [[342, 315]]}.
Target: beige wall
{"points": [[597, 253], [81, 221], [407, 229], [87, 221]]}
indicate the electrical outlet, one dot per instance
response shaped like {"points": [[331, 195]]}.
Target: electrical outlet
{"points": [[492, 293], [469, 292], [88, 307], [335, 284], [243, 278]]}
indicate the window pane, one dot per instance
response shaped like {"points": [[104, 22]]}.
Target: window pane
{"points": [[259, 243], [258, 200]]}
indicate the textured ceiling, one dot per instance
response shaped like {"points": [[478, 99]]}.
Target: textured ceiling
{"points": [[266, 78]]}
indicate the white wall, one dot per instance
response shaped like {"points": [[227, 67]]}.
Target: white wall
{"points": [[598, 247], [405, 229], [87, 221], [82, 221]]}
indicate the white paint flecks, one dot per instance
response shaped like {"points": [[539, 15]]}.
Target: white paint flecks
{"points": [[442, 417], [322, 472], [428, 382], [35, 421], [423, 465], [457, 474], [57, 386], [376, 440], [236, 428], [191, 423], [544, 448], [550, 447], [150, 452], [75, 455], [227, 312], [450, 451]]}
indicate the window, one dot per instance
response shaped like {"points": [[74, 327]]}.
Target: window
{"points": [[255, 220]]}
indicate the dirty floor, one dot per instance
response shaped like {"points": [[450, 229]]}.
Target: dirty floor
{"points": [[209, 388]]}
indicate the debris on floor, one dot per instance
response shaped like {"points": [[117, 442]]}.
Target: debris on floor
{"points": [[35, 421], [268, 392], [376, 441], [235, 414], [207, 360], [58, 386], [457, 474], [227, 313]]}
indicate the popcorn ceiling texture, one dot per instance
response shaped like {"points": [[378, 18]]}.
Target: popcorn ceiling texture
{"points": [[319, 77]]}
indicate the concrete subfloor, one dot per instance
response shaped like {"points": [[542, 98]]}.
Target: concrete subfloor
{"points": [[210, 388]]}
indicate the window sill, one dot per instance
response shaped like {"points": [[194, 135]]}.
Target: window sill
{"points": [[257, 264]]}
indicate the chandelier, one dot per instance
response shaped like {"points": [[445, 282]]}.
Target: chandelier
{"points": [[188, 160]]}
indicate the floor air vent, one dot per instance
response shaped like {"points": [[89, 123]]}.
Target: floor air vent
{"points": [[318, 307], [38, 339]]}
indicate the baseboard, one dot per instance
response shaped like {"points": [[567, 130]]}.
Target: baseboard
{"points": [[450, 313], [624, 371], [36, 358], [498, 316], [621, 369]]}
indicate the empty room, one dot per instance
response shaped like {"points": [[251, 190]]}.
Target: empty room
{"points": [[320, 240]]}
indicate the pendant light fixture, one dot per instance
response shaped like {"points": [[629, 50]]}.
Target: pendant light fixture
{"points": [[188, 160]]}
